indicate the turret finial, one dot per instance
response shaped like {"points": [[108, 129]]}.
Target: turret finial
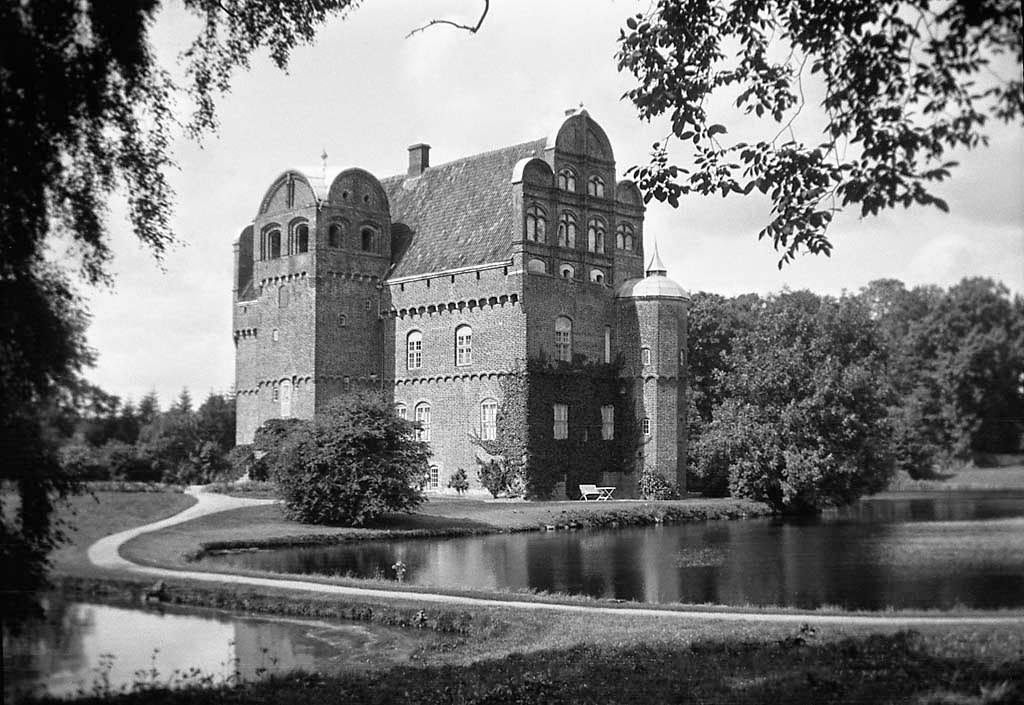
{"points": [[656, 266], [323, 163]]}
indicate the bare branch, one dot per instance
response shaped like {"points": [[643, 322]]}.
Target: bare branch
{"points": [[471, 30]]}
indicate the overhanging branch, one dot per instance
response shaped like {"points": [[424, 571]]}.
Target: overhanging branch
{"points": [[471, 29]]}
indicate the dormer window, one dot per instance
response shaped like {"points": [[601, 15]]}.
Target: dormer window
{"points": [[595, 186], [536, 224], [567, 179], [567, 230]]}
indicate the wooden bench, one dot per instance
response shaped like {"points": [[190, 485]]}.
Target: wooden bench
{"points": [[594, 493]]}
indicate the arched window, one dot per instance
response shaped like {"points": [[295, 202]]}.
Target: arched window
{"points": [[537, 266], [597, 276], [414, 350], [423, 419], [567, 230], [563, 339], [645, 356], [567, 271], [536, 224], [463, 345], [624, 236], [335, 235], [274, 335], [282, 296], [286, 398], [567, 179], [367, 239], [401, 411], [595, 235], [300, 237], [488, 419], [273, 244], [595, 186]]}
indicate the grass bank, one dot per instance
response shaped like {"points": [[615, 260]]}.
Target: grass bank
{"points": [[962, 479], [267, 527]]}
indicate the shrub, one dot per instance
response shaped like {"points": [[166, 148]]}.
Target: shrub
{"points": [[355, 461], [498, 476], [458, 481], [655, 486]]}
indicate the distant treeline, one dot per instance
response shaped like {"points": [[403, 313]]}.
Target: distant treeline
{"points": [[102, 438], [805, 387]]}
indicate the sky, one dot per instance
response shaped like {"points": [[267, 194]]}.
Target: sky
{"points": [[364, 92]]}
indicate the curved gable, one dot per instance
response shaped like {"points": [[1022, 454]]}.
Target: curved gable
{"points": [[359, 188], [532, 170], [289, 191], [580, 134], [627, 192]]}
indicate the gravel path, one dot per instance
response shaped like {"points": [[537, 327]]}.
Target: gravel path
{"points": [[104, 554]]}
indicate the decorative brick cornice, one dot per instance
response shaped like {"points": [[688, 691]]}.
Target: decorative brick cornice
{"points": [[454, 306]]}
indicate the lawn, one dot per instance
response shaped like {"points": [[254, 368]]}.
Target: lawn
{"points": [[967, 478], [92, 516]]}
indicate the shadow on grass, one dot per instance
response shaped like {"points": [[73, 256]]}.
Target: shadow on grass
{"points": [[899, 667]]}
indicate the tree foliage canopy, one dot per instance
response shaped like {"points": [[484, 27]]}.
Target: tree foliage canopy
{"points": [[905, 82], [355, 461]]}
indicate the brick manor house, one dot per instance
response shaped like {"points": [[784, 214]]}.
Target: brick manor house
{"points": [[437, 284]]}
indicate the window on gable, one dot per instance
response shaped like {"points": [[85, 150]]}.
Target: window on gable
{"points": [[595, 186], [401, 411], [561, 425], [488, 419], [301, 238], [595, 235], [567, 230], [608, 422], [536, 224], [463, 345], [367, 239], [624, 237], [423, 419], [414, 350], [567, 179], [563, 339], [335, 235], [273, 244]]}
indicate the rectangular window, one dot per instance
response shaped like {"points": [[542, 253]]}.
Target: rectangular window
{"points": [[607, 344], [402, 411], [608, 422], [645, 426], [435, 478], [415, 353], [489, 420], [563, 345], [645, 356], [464, 346], [561, 428]]}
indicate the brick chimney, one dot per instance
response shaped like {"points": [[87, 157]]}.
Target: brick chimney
{"points": [[419, 159]]}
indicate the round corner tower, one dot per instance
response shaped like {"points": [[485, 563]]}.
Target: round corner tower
{"points": [[652, 322]]}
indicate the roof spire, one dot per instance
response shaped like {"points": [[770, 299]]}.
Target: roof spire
{"points": [[656, 267]]}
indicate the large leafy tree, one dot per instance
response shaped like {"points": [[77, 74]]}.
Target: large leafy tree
{"points": [[86, 111], [904, 83]]}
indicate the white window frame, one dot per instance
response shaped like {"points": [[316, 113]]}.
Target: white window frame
{"points": [[607, 422], [402, 411], [645, 356], [414, 350], [434, 478], [560, 426], [645, 425], [422, 415], [489, 419], [463, 345]]}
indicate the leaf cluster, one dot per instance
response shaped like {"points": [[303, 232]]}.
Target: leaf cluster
{"points": [[905, 82]]}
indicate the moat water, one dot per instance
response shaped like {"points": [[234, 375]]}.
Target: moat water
{"points": [[81, 648], [929, 550]]}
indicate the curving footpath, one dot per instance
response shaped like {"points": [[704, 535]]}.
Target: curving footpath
{"points": [[105, 554]]}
